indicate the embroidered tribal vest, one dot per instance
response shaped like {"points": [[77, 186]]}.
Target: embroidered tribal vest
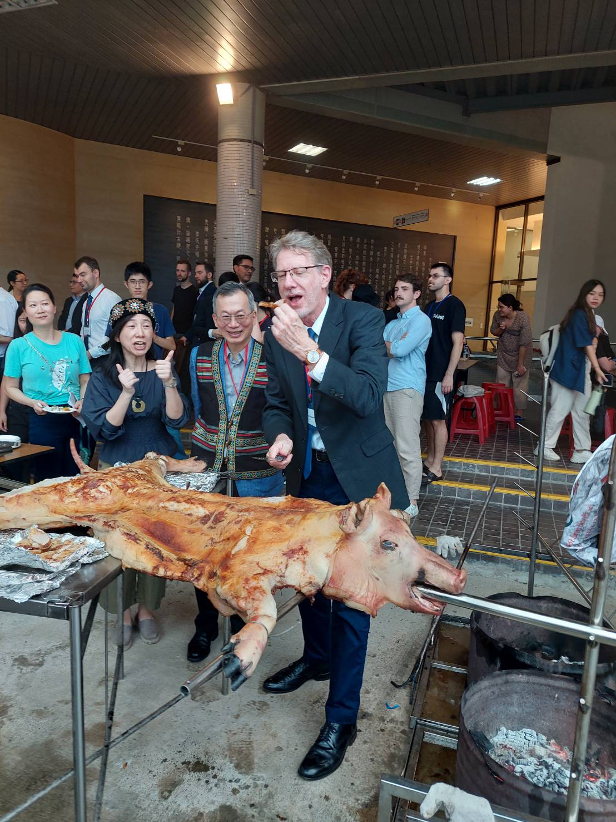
{"points": [[241, 434]]}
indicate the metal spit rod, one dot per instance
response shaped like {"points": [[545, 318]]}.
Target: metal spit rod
{"points": [[194, 683], [563, 626], [436, 620], [591, 657], [538, 484]]}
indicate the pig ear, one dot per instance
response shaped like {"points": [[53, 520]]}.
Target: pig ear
{"points": [[356, 517], [383, 495]]}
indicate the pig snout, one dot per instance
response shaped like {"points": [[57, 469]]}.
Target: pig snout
{"points": [[437, 572]]}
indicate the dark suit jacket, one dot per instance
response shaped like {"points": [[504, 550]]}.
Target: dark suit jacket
{"points": [[76, 318], [348, 403], [202, 320]]}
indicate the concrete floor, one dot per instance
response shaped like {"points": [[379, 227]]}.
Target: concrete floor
{"points": [[215, 759]]}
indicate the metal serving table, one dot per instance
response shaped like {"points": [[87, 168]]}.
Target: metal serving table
{"points": [[66, 602]]}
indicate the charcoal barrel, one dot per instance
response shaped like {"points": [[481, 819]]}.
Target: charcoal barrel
{"points": [[499, 644], [546, 703]]}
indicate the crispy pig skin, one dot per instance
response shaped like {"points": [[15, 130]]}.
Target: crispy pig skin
{"points": [[241, 549]]}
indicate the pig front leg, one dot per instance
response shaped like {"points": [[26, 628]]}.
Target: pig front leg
{"points": [[242, 654]]}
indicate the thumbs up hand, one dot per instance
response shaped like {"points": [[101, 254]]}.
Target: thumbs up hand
{"points": [[128, 380], [164, 369]]}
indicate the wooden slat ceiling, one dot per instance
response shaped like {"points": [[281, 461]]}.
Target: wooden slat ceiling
{"points": [[121, 71]]}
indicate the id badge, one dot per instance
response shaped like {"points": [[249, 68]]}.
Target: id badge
{"points": [[311, 418], [86, 331]]}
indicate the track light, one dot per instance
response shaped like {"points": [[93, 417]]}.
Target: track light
{"points": [[416, 186], [377, 182], [307, 169], [345, 173], [179, 145], [453, 193]]}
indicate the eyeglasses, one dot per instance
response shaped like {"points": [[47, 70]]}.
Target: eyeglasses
{"points": [[250, 268], [21, 282], [137, 282], [296, 273], [242, 319]]}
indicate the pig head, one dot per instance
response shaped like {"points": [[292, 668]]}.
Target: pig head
{"points": [[380, 561]]}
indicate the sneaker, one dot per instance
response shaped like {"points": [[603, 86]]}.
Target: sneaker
{"points": [[580, 457], [548, 454], [412, 510]]}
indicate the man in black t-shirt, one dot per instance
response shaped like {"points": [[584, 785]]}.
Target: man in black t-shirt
{"points": [[184, 299], [447, 314]]}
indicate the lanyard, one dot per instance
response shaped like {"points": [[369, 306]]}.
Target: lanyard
{"points": [[433, 306], [237, 391], [88, 309]]}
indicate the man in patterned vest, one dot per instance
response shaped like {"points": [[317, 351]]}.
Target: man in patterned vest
{"points": [[228, 377]]}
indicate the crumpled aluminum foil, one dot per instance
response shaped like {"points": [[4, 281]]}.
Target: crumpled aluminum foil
{"points": [[24, 574], [205, 481]]}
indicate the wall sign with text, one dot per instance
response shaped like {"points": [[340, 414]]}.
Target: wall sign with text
{"points": [[181, 228]]}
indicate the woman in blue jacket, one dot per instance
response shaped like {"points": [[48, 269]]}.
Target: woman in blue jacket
{"points": [[570, 375]]}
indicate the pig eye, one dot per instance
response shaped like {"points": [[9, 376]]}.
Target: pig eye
{"points": [[388, 545]]}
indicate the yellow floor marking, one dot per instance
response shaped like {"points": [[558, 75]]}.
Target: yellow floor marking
{"points": [[498, 464], [472, 487]]}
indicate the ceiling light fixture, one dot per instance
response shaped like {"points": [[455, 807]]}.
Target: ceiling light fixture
{"points": [[484, 181], [179, 145], [377, 182], [453, 192], [416, 186], [306, 148], [307, 169], [345, 173], [225, 93]]}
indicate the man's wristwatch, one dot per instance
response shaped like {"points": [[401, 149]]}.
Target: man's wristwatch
{"points": [[313, 356]]}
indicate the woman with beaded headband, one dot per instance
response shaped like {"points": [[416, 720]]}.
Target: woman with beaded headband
{"points": [[127, 407]]}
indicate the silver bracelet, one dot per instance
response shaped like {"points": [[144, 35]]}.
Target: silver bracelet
{"points": [[172, 384]]}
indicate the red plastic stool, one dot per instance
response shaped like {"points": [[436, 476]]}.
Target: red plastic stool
{"points": [[469, 417], [488, 396], [504, 409], [610, 422]]}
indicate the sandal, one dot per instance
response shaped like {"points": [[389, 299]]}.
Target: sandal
{"points": [[424, 469], [430, 476]]}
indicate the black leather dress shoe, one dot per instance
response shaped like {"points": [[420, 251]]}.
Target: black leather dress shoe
{"points": [[327, 753], [293, 677], [199, 646]]}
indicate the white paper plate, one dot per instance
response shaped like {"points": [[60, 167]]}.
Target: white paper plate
{"points": [[58, 409]]}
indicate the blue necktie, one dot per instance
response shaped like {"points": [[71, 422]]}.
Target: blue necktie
{"points": [[86, 317], [311, 428]]}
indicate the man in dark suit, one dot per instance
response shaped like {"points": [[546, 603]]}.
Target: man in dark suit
{"points": [[327, 373], [70, 317], [203, 322]]}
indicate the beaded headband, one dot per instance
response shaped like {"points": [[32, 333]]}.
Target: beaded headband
{"points": [[132, 306]]}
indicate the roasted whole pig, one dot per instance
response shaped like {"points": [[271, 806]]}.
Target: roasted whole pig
{"points": [[242, 549]]}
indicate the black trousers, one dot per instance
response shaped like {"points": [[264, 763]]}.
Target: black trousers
{"points": [[334, 634]]}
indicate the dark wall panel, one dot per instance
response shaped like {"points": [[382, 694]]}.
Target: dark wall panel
{"points": [[181, 228]]}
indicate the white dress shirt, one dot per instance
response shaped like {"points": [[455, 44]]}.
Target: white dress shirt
{"points": [[8, 309], [317, 373], [103, 300]]}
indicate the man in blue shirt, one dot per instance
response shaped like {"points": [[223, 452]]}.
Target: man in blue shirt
{"points": [[407, 339]]}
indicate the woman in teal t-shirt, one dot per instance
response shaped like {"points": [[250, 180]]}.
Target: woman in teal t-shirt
{"points": [[52, 365]]}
